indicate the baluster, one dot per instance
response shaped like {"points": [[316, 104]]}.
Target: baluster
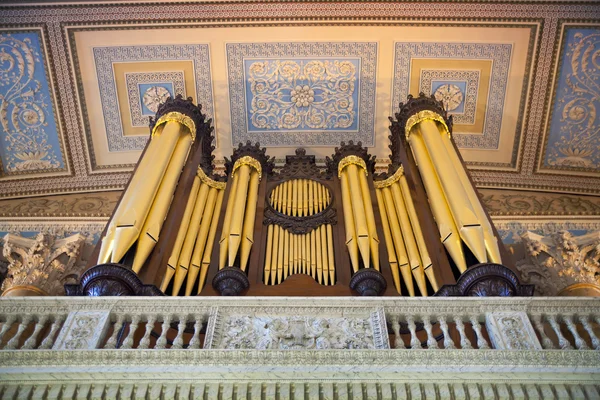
{"points": [[31, 341], [145, 342], [431, 342], [178, 341], [414, 341], [14, 341], [133, 324], [562, 342], [465, 343], [112, 341], [579, 342], [10, 319], [161, 343], [448, 342], [537, 322], [49, 339], [195, 340], [481, 342], [585, 321], [398, 342]]}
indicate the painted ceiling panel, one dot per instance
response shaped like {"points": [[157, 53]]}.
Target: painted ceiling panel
{"points": [[282, 76]]}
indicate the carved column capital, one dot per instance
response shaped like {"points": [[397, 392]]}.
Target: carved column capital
{"points": [[41, 266], [560, 260]]}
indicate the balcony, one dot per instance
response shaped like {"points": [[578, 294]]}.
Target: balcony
{"points": [[299, 348]]}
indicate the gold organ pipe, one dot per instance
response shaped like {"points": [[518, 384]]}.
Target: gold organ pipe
{"points": [[330, 254], [318, 254], [300, 197], [491, 243], [290, 254], [274, 194], [303, 252], [311, 209], [185, 256], [296, 253], [414, 220], [308, 254], [404, 266], [269, 253], [183, 227], [295, 197], [324, 257], [284, 190], [358, 211], [248, 228], [200, 245], [280, 197], [313, 254], [437, 200], [409, 239], [210, 240], [351, 241], [239, 209], [318, 188], [286, 253], [370, 216], [129, 224], [224, 242], [160, 206], [387, 235], [107, 244], [276, 267], [290, 196], [305, 197], [469, 227]]}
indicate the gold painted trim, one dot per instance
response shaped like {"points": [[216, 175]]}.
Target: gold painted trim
{"points": [[352, 159], [175, 116], [390, 180], [208, 181], [34, 290], [425, 115], [247, 160]]}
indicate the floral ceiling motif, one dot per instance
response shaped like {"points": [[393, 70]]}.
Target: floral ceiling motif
{"points": [[29, 131]]}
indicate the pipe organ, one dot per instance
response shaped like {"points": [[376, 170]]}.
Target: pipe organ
{"points": [[300, 228]]}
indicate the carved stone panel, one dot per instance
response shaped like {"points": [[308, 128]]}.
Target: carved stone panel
{"points": [[511, 331], [297, 329], [83, 330]]}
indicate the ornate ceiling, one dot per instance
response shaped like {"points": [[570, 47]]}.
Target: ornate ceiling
{"points": [[78, 82]]}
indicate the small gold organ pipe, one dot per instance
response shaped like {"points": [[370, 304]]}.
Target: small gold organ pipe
{"points": [[331, 261], [468, 225], [351, 241], [183, 227], [414, 221], [286, 253], [239, 208], [387, 235], [248, 229], [280, 198], [161, 204], [437, 200], [305, 196], [313, 254], [280, 258], [319, 195], [271, 267], [318, 254], [210, 240], [358, 211], [295, 197], [290, 196], [491, 243], [224, 241], [311, 209]]}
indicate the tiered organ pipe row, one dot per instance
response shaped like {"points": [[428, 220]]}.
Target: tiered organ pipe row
{"points": [[144, 205], [288, 253], [407, 250], [454, 203], [191, 254]]}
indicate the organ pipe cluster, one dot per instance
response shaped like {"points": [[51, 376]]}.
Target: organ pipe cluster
{"points": [[407, 251], [191, 253], [288, 253], [361, 231], [454, 203], [237, 235], [141, 213]]}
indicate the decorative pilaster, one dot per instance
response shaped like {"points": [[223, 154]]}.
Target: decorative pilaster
{"points": [[41, 266], [560, 262]]}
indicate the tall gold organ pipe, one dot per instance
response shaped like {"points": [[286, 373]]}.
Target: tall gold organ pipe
{"points": [[313, 254], [248, 229], [183, 264], [399, 243], [280, 255], [469, 227], [311, 209], [358, 211], [210, 240], [268, 254], [295, 197], [239, 208], [351, 241], [389, 244], [277, 261], [370, 216], [129, 224], [224, 241], [305, 196], [414, 221], [491, 243], [330, 255], [200, 243], [160, 206], [183, 227], [318, 254], [412, 250], [437, 201], [280, 198]]}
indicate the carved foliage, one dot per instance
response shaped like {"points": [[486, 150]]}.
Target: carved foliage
{"points": [[111, 280], [230, 281], [43, 262], [368, 282]]}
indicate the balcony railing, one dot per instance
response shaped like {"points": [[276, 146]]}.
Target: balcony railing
{"points": [[549, 343]]}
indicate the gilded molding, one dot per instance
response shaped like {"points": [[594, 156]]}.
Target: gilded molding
{"points": [[425, 115], [175, 116], [391, 180], [247, 160], [352, 159], [210, 182]]}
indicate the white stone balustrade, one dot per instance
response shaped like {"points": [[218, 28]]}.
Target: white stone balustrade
{"points": [[284, 348]]}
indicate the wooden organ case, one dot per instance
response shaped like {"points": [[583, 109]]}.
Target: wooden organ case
{"points": [[300, 229]]}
